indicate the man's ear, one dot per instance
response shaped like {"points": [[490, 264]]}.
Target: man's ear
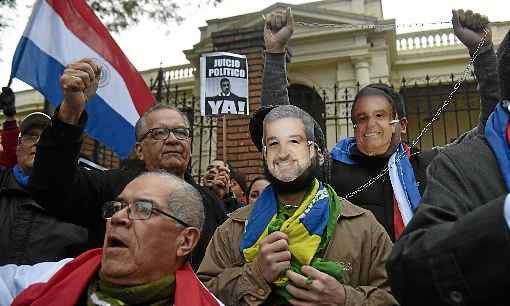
{"points": [[187, 241], [138, 150], [321, 156], [319, 153], [403, 125]]}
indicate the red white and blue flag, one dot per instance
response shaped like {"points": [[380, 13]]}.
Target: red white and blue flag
{"points": [[61, 32]]}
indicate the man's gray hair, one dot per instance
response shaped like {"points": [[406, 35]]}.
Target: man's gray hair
{"points": [[290, 111], [185, 201], [141, 124]]}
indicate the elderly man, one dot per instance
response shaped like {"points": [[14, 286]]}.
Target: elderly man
{"points": [[163, 142], [28, 233], [456, 250], [299, 243], [152, 226], [378, 114]]}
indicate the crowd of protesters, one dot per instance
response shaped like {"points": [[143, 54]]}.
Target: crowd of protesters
{"points": [[434, 230]]}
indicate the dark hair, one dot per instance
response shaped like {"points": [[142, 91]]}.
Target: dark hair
{"points": [[238, 177], [258, 178], [224, 79], [379, 89]]}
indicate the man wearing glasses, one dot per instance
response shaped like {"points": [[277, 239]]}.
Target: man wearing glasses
{"points": [[151, 228], [163, 143], [29, 234]]}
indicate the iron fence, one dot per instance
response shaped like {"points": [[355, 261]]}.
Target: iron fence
{"points": [[422, 98]]}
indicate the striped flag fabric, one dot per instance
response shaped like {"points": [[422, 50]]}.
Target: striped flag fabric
{"points": [[61, 32]]}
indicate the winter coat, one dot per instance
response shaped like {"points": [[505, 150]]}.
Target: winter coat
{"points": [[30, 234], [359, 242], [456, 249]]}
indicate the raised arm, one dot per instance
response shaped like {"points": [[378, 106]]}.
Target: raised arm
{"points": [[278, 30], [10, 131], [470, 28], [56, 182]]}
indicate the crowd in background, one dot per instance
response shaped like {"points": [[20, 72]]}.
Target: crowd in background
{"points": [[434, 230]]}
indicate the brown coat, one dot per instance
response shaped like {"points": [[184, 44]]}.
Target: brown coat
{"points": [[359, 242]]}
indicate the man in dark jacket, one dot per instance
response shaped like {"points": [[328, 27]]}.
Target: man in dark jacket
{"points": [[379, 115], [456, 250], [163, 142], [29, 234]]}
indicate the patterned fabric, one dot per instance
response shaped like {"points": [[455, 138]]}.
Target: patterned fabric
{"points": [[403, 183], [496, 132], [159, 293], [309, 229]]}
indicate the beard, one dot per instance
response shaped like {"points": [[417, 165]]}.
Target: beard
{"points": [[301, 183]]}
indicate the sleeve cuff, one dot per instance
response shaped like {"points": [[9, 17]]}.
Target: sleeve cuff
{"points": [[275, 58], [483, 49], [62, 132], [10, 125], [506, 210]]}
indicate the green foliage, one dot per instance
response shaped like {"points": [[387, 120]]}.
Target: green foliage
{"points": [[10, 4]]}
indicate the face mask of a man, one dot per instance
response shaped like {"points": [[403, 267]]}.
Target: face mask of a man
{"points": [[290, 159]]}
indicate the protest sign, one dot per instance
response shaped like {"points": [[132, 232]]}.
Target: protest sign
{"points": [[224, 84]]}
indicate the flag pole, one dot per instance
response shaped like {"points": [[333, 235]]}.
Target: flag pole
{"points": [[225, 139]]}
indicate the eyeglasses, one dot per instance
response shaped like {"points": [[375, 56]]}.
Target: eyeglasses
{"points": [[29, 139], [163, 133], [140, 210]]}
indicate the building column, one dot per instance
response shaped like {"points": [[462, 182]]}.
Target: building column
{"points": [[362, 70], [358, 6]]}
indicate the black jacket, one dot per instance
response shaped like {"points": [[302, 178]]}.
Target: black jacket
{"points": [[456, 249], [30, 234], [378, 198], [77, 195]]}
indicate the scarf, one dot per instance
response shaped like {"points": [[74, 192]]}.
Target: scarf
{"points": [[309, 228], [69, 283], [496, 133], [21, 178], [158, 293], [403, 181]]}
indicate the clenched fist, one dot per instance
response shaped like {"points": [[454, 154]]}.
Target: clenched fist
{"points": [[79, 83], [278, 29], [470, 28]]}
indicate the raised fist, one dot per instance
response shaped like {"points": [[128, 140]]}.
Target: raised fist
{"points": [[79, 83], [278, 29], [470, 28], [7, 101]]}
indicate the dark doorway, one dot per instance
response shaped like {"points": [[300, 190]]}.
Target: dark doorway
{"points": [[308, 100]]}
